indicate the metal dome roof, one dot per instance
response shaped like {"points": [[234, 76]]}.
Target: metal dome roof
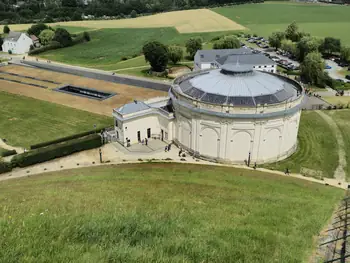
{"points": [[239, 86]]}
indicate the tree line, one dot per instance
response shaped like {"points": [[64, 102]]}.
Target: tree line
{"points": [[310, 51], [32, 11]]}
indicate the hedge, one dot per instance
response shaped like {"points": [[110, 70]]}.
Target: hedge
{"points": [[5, 153], [5, 167], [67, 138], [56, 150], [51, 46]]}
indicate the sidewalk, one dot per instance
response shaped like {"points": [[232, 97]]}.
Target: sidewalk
{"points": [[114, 153]]}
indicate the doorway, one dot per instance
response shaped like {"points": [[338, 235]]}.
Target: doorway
{"points": [[162, 135], [149, 133], [139, 136]]}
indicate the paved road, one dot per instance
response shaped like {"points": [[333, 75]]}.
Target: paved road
{"points": [[333, 72]]}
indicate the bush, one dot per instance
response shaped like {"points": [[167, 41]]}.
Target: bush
{"points": [[63, 37], [5, 167], [6, 29], [86, 36], [5, 153], [51, 46], [10, 52], [56, 150], [124, 58], [67, 138]]}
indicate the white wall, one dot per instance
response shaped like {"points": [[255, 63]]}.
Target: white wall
{"points": [[22, 45], [269, 68], [232, 140]]}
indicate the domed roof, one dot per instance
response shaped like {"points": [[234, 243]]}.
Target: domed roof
{"points": [[239, 86]]}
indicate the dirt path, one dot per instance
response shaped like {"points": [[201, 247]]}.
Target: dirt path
{"points": [[339, 173], [9, 147]]}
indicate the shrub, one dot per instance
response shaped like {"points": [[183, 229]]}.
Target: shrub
{"points": [[133, 14], [51, 46], [56, 150], [6, 29], [67, 138], [5, 167], [37, 29], [5, 153], [124, 58], [10, 52], [86, 36], [63, 37]]}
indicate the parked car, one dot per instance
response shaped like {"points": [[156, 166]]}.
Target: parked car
{"points": [[275, 58], [327, 67]]}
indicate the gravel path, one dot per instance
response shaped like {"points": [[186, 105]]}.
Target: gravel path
{"points": [[8, 147], [339, 173]]}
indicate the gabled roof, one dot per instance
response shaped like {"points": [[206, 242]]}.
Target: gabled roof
{"points": [[247, 59], [211, 55], [13, 36], [133, 107]]}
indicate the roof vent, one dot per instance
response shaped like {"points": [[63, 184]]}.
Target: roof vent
{"points": [[231, 69]]}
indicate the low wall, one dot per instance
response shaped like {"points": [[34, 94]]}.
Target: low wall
{"points": [[106, 76]]}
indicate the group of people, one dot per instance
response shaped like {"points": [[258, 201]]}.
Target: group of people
{"points": [[145, 142], [167, 148]]}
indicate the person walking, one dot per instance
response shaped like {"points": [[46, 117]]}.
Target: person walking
{"points": [[146, 141], [166, 148], [169, 147]]}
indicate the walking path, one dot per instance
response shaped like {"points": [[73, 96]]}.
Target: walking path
{"points": [[8, 147], [114, 154], [339, 173]]}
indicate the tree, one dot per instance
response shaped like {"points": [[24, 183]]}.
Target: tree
{"points": [[291, 32], [275, 39], [6, 29], [175, 54], [133, 14], [36, 29], [46, 36], [289, 46], [345, 53], [63, 37], [331, 45], [156, 54], [307, 45], [312, 69], [69, 3], [227, 42], [193, 45]]}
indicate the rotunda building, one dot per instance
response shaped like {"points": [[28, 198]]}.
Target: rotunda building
{"points": [[236, 114]]}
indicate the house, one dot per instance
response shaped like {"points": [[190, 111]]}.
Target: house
{"points": [[17, 43], [215, 58], [36, 42]]}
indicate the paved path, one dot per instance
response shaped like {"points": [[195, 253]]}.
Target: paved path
{"points": [[333, 72], [114, 153], [339, 173]]}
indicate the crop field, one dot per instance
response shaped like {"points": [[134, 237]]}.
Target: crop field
{"points": [[317, 148], [187, 21], [25, 121], [162, 213], [342, 118], [102, 54], [319, 20], [124, 93]]}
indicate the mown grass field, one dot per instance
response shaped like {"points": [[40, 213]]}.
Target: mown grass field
{"points": [[338, 100], [108, 46], [73, 29], [162, 213], [25, 121], [319, 20], [317, 148], [342, 118]]}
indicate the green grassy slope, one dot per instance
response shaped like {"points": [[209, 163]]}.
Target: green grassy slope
{"points": [[108, 46], [342, 118], [319, 20], [74, 29], [161, 213], [25, 121], [317, 148]]}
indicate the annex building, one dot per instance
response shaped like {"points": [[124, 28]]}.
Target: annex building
{"points": [[216, 58], [231, 114]]}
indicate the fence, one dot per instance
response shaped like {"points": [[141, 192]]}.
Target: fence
{"points": [[337, 245]]}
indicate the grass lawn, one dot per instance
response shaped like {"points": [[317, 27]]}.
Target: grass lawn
{"points": [[108, 46], [74, 29], [319, 20], [25, 121], [162, 213], [336, 100], [317, 148], [342, 118]]}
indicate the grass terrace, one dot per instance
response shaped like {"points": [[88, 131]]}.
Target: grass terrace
{"points": [[25, 121], [162, 213]]}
